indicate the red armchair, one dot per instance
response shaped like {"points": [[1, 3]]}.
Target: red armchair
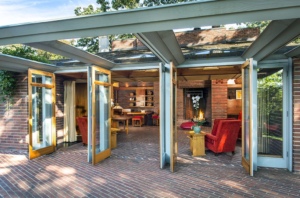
{"points": [[225, 137], [83, 127]]}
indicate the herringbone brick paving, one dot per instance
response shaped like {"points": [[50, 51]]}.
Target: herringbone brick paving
{"points": [[133, 171]]}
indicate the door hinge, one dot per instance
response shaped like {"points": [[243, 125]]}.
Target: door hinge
{"points": [[287, 154], [287, 113]]}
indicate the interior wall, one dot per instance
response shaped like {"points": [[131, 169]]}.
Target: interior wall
{"points": [[81, 99], [59, 108]]}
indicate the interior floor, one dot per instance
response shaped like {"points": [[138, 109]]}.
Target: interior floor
{"points": [[142, 143]]}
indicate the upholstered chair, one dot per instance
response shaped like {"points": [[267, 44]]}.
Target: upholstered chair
{"points": [[224, 138]]}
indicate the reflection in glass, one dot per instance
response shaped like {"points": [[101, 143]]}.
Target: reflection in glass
{"points": [[36, 78], [41, 117], [99, 76], [246, 115], [102, 112], [270, 103]]}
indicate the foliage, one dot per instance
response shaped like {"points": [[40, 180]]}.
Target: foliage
{"points": [[8, 85], [258, 24], [150, 3], [91, 44], [270, 97], [24, 52]]}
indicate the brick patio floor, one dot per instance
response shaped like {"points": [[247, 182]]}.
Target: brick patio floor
{"points": [[133, 171]]}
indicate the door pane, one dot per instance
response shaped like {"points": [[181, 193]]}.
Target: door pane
{"points": [[246, 112], [270, 104], [102, 118], [37, 78], [102, 77], [41, 117]]}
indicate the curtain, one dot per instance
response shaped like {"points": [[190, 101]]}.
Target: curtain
{"points": [[69, 109]]}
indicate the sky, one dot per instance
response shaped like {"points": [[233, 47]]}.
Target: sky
{"points": [[28, 11], [24, 11]]}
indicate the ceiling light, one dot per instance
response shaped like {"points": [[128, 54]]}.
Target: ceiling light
{"points": [[210, 68]]}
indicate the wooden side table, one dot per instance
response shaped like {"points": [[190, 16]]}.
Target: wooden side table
{"points": [[113, 140], [197, 144]]}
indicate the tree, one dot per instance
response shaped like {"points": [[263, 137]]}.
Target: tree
{"points": [[258, 24], [91, 44], [24, 52]]}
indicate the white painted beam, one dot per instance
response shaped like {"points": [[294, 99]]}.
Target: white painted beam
{"points": [[185, 15], [13, 63], [211, 62], [294, 52], [276, 35], [69, 51], [142, 66], [163, 44]]}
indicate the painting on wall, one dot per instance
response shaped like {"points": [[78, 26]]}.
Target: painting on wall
{"points": [[238, 94]]}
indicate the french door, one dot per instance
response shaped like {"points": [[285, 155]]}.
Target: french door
{"points": [[173, 115], [249, 154], [41, 107], [168, 116], [272, 94], [99, 102]]}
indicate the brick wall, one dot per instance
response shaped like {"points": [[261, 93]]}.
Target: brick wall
{"points": [[296, 116], [219, 99], [14, 136], [59, 108]]}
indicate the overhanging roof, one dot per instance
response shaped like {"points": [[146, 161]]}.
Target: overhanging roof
{"points": [[153, 26], [183, 15]]}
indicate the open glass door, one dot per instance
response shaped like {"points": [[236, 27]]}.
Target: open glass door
{"points": [[272, 108], [100, 116], [248, 105], [162, 122], [41, 106], [173, 114]]}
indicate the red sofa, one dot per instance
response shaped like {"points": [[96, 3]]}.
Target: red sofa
{"points": [[224, 136]]}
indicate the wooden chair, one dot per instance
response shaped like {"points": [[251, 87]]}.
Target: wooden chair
{"points": [[155, 118], [137, 121]]}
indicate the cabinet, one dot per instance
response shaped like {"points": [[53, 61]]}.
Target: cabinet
{"points": [[138, 96]]}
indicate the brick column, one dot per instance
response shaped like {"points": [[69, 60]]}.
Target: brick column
{"points": [[296, 116], [218, 99]]}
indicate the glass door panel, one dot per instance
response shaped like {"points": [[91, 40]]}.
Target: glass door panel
{"points": [[101, 97], [42, 122], [247, 118], [271, 133], [270, 103]]}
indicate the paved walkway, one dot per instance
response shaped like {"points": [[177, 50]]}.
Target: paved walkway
{"points": [[133, 171]]}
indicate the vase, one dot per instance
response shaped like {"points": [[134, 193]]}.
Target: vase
{"points": [[197, 129]]}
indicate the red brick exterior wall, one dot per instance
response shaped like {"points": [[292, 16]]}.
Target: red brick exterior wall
{"points": [[296, 118], [59, 108], [15, 136], [14, 123]]}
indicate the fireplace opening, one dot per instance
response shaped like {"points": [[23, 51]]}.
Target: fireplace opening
{"points": [[204, 111]]}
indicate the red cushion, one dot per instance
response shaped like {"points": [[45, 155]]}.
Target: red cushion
{"points": [[141, 117], [155, 116], [187, 125]]}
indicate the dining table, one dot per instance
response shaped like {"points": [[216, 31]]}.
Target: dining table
{"points": [[124, 119]]}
